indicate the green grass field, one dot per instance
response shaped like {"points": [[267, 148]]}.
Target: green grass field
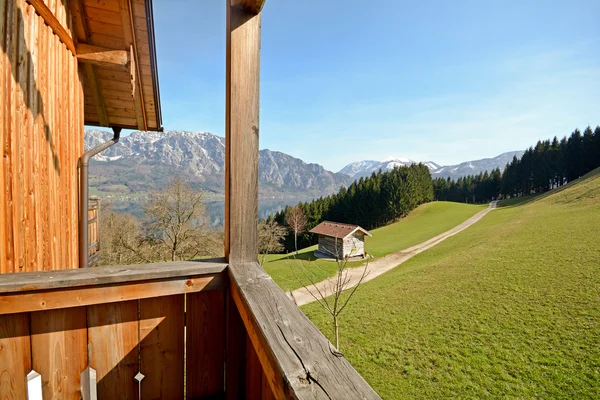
{"points": [[423, 223], [508, 308]]}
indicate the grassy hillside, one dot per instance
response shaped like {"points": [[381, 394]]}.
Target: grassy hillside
{"points": [[508, 308], [423, 223]]}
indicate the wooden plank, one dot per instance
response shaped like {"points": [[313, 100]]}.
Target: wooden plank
{"points": [[298, 361], [45, 280], [59, 350], [94, 84], [9, 126], [22, 163], [241, 135], [53, 22], [102, 56], [205, 329], [15, 357], [161, 350], [254, 372], [136, 92], [235, 356], [113, 341], [110, 5], [3, 131], [102, 28], [55, 299]]}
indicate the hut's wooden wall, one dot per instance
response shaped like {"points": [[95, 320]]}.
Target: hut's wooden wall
{"points": [[41, 138]]}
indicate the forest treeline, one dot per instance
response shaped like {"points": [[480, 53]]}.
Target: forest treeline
{"points": [[369, 202], [547, 165], [386, 196]]}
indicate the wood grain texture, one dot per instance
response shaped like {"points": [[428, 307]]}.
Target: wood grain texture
{"points": [[94, 84], [241, 135], [161, 350], [108, 275], [56, 299], [59, 350], [113, 342], [102, 56], [40, 141], [205, 327], [3, 129], [50, 19], [15, 355], [298, 361]]}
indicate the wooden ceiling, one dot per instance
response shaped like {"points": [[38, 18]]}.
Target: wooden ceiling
{"points": [[115, 47]]}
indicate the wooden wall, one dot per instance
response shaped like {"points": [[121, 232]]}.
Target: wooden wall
{"points": [[41, 139]]}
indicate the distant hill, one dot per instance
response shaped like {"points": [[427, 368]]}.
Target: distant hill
{"points": [[144, 161], [367, 167]]}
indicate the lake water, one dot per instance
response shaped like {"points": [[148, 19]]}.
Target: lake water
{"points": [[215, 209]]}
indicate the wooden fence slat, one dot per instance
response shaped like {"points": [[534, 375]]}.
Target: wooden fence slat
{"points": [[3, 129], [113, 338], [205, 341], [59, 350], [15, 356], [235, 355], [254, 372], [265, 392], [161, 350]]}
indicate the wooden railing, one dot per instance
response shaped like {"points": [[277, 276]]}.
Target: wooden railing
{"points": [[191, 329]]}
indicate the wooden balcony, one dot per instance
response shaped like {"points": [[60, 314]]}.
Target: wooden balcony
{"points": [[193, 329]]}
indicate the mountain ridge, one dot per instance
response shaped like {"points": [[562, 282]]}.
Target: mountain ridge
{"points": [[145, 161]]}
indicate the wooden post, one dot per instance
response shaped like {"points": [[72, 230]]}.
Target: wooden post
{"points": [[241, 132]]}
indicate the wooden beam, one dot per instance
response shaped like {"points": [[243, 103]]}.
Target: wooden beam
{"points": [[136, 77], [138, 101], [43, 11], [103, 294], [94, 84], [76, 278], [241, 134], [297, 360], [253, 6], [101, 56]]}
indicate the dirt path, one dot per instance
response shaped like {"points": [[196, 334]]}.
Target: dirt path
{"points": [[389, 262]]}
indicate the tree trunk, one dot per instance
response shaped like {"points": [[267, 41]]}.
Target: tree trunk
{"points": [[296, 241], [336, 328]]}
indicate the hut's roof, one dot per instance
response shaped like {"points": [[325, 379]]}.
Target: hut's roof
{"points": [[110, 95], [337, 229]]}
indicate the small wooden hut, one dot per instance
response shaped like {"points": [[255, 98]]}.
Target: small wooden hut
{"points": [[213, 329], [340, 240]]}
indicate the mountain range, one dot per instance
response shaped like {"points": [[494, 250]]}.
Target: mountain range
{"points": [[367, 167], [144, 161]]}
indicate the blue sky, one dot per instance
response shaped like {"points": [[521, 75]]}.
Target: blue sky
{"points": [[341, 81]]}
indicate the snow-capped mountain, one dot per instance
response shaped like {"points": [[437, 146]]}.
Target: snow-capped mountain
{"points": [[476, 166], [146, 160], [367, 167]]}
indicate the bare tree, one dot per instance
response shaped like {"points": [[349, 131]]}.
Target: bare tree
{"points": [[296, 220], [270, 236], [120, 240], [332, 294], [176, 220]]}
